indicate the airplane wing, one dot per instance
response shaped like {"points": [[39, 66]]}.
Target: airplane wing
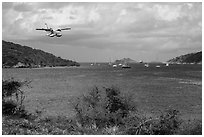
{"points": [[63, 29], [44, 29]]}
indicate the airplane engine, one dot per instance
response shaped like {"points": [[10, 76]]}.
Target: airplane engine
{"points": [[51, 35], [59, 29], [59, 35]]}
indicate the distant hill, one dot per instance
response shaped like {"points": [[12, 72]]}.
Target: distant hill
{"points": [[188, 58], [15, 55], [125, 60]]}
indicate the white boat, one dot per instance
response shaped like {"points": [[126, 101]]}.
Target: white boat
{"points": [[167, 64], [114, 66], [146, 65], [125, 66], [158, 66]]}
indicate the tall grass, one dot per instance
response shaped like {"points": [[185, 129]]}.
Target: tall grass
{"points": [[101, 111]]}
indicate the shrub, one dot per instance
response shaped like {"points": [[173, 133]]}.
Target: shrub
{"points": [[107, 111], [13, 97], [103, 108], [168, 123]]}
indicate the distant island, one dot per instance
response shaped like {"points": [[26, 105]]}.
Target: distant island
{"points": [[17, 56], [124, 61], [192, 58]]}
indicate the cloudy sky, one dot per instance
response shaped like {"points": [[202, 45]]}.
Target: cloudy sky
{"points": [[106, 31]]}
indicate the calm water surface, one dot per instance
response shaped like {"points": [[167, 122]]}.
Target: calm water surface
{"points": [[53, 90]]}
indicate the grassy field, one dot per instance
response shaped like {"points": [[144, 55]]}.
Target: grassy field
{"points": [[52, 90]]}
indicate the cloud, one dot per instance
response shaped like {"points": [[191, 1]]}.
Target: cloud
{"points": [[23, 7], [108, 26], [6, 5], [168, 13]]}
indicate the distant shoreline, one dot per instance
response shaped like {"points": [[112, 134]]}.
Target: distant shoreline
{"points": [[45, 67]]}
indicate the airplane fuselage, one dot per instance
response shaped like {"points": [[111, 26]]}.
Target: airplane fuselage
{"points": [[54, 34]]}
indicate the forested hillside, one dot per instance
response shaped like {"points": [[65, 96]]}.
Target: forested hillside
{"points": [[188, 58], [15, 55]]}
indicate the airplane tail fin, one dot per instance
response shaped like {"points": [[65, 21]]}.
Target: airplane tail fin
{"points": [[46, 25]]}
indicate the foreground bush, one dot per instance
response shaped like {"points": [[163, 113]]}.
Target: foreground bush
{"points": [[103, 108], [102, 111], [107, 111], [13, 97]]}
